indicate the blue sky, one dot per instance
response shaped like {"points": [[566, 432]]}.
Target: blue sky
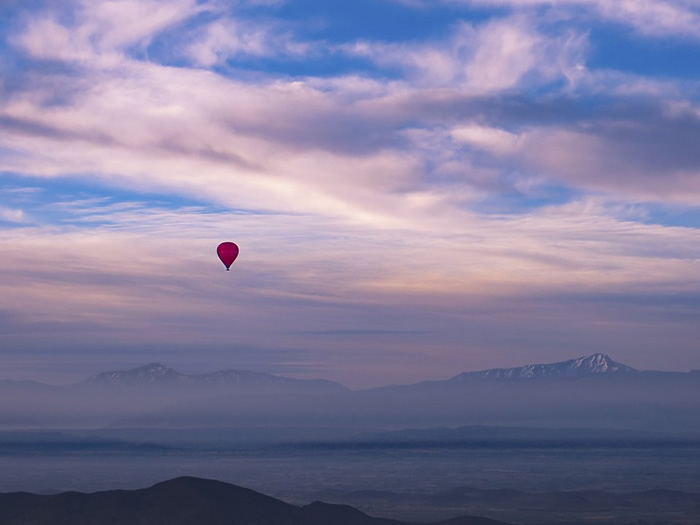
{"points": [[418, 187]]}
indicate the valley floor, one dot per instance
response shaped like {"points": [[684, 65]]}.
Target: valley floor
{"points": [[407, 483]]}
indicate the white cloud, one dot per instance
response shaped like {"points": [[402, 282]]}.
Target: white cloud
{"points": [[11, 214], [505, 52], [654, 17], [100, 31], [230, 38], [146, 126], [490, 57], [495, 140], [650, 17]]}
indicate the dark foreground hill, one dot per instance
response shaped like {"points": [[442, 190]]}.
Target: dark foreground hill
{"points": [[183, 501]]}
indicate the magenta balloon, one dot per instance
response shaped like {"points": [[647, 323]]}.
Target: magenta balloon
{"points": [[227, 252]]}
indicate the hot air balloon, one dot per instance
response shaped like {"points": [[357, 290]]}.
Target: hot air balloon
{"points": [[227, 252]]}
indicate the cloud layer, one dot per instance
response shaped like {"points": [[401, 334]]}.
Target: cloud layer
{"points": [[478, 197]]}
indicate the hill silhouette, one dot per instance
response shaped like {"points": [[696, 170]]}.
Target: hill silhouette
{"points": [[183, 501]]}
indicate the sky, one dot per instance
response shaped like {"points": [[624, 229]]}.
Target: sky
{"points": [[418, 187]]}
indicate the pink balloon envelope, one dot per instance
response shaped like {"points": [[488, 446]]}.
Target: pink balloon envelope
{"points": [[227, 252]]}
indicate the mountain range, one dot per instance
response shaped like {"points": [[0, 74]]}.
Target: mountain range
{"points": [[588, 392], [159, 374], [155, 374]]}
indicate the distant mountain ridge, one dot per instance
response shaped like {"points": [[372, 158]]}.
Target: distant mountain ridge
{"points": [[158, 374], [593, 391], [593, 364]]}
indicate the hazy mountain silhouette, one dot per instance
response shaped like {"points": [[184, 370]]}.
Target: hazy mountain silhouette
{"points": [[155, 374], [589, 392], [182, 501], [475, 436], [104, 398]]}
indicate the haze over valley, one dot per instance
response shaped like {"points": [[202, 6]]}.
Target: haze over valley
{"points": [[588, 392], [600, 430]]}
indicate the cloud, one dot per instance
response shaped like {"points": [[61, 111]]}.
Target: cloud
{"points": [[504, 54], [330, 140], [340, 146], [11, 215], [489, 57], [650, 17], [495, 140], [483, 184], [647, 162], [229, 38], [140, 275], [651, 158], [98, 34]]}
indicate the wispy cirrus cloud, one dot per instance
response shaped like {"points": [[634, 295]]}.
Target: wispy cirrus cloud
{"points": [[99, 31], [229, 38], [650, 17], [484, 58]]}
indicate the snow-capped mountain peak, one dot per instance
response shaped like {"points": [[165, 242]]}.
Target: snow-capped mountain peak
{"points": [[150, 374], [583, 366]]}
